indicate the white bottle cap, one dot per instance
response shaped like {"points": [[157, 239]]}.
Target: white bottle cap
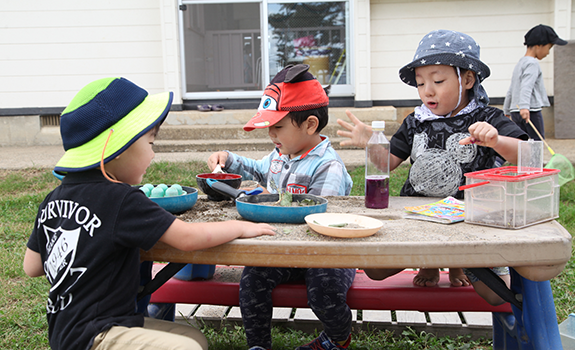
{"points": [[378, 124]]}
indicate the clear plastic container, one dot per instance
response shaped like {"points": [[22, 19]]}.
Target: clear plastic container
{"points": [[567, 331], [502, 197], [377, 168], [530, 156]]}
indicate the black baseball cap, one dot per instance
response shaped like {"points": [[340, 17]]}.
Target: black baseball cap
{"points": [[542, 35]]}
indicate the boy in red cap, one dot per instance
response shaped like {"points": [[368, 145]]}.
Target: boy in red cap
{"points": [[526, 95], [294, 109], [89, 231]]}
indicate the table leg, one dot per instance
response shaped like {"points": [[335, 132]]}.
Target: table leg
{"points": [[535, 327]]}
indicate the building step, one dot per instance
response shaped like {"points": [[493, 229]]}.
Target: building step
{"points": [[227, 131], [231, 144], [195, 131], [242, 116]]}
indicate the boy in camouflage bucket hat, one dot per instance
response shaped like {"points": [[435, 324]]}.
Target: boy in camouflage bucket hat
{"points": [[453, 132]]}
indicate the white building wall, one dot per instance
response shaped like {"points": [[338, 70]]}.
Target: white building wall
{"points": [[572, 32], [361, 45], [51, 49], [562, 20], [498, 26]]}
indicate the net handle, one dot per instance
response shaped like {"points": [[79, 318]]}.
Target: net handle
{"points": [[541, 137]]}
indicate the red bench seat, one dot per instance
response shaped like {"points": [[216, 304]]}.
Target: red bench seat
{"points": [[394, 293]]}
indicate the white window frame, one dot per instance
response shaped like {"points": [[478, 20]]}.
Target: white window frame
{"points": [[342, 90]]}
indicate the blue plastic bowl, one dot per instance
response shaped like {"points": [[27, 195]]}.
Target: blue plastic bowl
{"points": [[258, 209], [175, 205], [178, 204]]}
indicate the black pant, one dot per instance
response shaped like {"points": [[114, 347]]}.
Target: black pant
{"points": [[537, 120], [326, 294]]}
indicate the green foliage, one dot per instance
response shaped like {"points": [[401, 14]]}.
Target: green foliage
{"points": [[396, 180], [175, 173], [285, 199]]}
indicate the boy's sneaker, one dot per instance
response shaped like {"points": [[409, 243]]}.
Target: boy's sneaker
{"points": [[324, 343]]}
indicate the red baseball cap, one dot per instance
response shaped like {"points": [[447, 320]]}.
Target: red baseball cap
{"points": [[293, 89]]}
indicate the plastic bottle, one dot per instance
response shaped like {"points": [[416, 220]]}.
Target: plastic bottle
{"points": [[377, 168]]}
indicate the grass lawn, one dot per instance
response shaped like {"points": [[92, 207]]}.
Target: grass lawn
{"points": [[22, 301]]}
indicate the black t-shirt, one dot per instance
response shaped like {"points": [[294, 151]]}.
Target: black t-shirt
{"points": [[89, 232], [438, 161]]}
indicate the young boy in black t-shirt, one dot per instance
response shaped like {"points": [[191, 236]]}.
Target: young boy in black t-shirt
{"points": [[453, 132], [89, 231]]}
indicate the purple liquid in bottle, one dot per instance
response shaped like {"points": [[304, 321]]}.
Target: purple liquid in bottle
{"points": [[377, 192]]}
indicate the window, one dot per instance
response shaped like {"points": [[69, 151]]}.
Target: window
{"points": [[226, 54], [222, 47], [310, 33]]}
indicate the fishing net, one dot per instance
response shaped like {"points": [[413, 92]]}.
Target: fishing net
{"points": [[559, 161]]}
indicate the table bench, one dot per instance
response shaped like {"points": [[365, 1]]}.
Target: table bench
{"points": [[394, 293], [447, 308]]}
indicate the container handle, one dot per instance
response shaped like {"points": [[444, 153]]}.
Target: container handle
{"points": [[477, 184]]}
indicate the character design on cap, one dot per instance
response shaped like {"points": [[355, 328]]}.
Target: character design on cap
{"points": [[101, 106], [293, 89]]}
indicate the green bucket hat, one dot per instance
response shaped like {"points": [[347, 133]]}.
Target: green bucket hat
{"points": [[105, 104]]}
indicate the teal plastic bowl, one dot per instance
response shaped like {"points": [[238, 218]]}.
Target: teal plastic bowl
{"points": [[175, 205], [259, 209], [178, 204]]}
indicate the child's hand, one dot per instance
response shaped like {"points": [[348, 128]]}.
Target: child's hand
{"points": [[525, 114], [250, 229], [483, 134], [359, 133], [217, 158]]}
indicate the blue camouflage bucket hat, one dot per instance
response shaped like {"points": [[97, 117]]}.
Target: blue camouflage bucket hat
{"points": [[450, 48]]}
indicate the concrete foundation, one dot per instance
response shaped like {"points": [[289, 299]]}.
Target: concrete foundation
{"points": [[27, 130], [564, 76]]}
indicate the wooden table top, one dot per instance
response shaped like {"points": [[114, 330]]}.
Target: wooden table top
{"points": [[537, 252]]}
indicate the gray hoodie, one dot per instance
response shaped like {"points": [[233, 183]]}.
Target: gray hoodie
{"points": [[526, 90]]}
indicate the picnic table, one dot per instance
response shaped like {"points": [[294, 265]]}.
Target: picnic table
{"points": [[536, 254]]}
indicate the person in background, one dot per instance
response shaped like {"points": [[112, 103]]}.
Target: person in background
{"points": [[294, 110], [526, 95], [452, 133], [89, 231]]}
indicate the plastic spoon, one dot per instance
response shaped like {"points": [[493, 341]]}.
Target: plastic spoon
{"points": [[218, 170], [231, 192]]}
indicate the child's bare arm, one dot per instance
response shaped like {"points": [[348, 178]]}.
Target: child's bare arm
{"points": [[485, 134], [195, 236], [217, 158], [33, 266]]}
